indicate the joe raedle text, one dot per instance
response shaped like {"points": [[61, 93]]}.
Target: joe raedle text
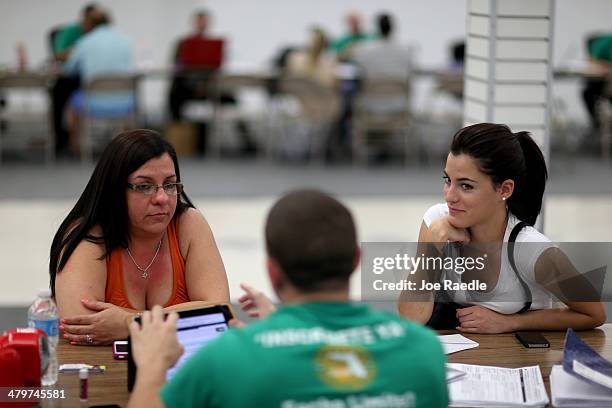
{"points": [[446, 284]]}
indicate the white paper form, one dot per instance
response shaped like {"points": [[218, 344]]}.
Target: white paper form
{"points": [[453, 343], [453, 374], [497, 386]]}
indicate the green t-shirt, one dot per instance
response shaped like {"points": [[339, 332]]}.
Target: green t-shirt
{"points": [[327, 354], [68, 37], [341, 44], [602, 48]]}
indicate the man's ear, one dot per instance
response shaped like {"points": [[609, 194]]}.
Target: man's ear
{"points": [[275, 274]]}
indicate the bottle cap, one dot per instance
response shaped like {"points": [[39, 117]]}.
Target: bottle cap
{"points": [[83, 373], [44, 293]]}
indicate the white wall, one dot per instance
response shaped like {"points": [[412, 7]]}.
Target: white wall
{"points": [[256, 29]]}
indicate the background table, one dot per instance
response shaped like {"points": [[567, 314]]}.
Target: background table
{"points": [[502, 350]]}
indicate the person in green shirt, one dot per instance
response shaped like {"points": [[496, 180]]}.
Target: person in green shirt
{"points": [[70, 34], [344, 44], [599, 48], [65, 85], [319, 350]]}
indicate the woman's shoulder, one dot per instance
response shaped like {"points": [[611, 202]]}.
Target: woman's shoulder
{"points": [[93, 241], [435, 212], [530, 234], [189, 218], [531, 244], [89, 252], [190, 224], [527, 234]]}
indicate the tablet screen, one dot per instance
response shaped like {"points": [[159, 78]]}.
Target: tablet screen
{"points": [[194, 332], [194, 329]]}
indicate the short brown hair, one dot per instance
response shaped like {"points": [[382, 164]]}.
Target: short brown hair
{"points": [[313, 238]]}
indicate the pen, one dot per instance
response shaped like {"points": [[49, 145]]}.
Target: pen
{"points": [[75, 368]]}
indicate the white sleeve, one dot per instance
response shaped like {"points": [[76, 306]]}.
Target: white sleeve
{"points": [[530, 244], [435, 212]]}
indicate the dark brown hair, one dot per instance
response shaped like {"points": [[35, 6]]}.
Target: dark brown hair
{"points": [[504, 155], [103, 202]]}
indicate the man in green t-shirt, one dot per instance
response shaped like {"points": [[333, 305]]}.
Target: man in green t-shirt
{"points": [[319, 350]]}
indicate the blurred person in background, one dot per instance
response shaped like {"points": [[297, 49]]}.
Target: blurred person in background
{"points": [[599, 48], [63, 40], [343, 45], [66, 38], [185, 89], [340, 145], [314, 61], [383, 58], [198, 85], [102, 51]]}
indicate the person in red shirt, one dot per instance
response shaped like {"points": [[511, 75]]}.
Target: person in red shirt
{"points": [[194, 82]]}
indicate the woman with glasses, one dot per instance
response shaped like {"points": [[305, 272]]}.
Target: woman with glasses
{"points": [[133, 240], [494, 182]]}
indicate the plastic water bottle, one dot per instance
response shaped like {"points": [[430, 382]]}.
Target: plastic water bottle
{"points": [[43, 315]]}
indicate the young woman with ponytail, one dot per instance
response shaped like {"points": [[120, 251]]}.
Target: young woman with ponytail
{"points": [[494, 182]]}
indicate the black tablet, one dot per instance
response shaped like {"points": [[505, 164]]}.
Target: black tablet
{"points": [[194, 328]]}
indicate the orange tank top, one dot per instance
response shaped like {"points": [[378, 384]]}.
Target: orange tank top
{"points": [[115, 286]]}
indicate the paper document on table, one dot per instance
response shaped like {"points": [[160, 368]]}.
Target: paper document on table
{"points": [[486, 386], [569, 391], [453, 343], [453, 374]]}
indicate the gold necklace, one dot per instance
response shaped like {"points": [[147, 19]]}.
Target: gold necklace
{"points": [[145, 271]]}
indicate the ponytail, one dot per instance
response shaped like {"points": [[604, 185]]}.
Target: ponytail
{"points": [[526, 200]]}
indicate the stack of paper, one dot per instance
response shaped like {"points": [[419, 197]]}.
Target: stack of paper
{"points": [[453, 343], [584, 363], [485, 386], [584, 380], [569, 391]]}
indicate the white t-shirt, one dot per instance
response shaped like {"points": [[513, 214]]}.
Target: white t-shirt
{"points": [[508, 286]]}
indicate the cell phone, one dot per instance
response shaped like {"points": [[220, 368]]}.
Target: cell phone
{"points": [[532, 339], [120, 349]]}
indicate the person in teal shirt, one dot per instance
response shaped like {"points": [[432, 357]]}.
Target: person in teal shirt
{"points": [[344, 44], [101, 52], [319, 350], [599, 48], [70, 34], [65, 84]]}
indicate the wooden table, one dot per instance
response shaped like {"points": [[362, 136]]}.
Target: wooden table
{"points": [[502, 350], [104, 389]]}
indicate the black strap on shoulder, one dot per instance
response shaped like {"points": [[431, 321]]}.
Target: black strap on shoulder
{"points": [[511, 241]]}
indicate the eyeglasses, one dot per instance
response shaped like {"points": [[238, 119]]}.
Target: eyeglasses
{"points": [[170, 189]]}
